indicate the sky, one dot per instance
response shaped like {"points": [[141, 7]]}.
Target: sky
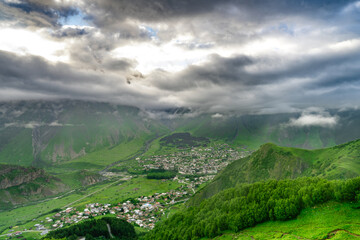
{"points": [[239, 56]]}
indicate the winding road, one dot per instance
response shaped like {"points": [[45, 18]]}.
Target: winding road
{"points": [[88, 195]]}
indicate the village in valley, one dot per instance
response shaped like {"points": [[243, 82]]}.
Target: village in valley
{"points": [[142, 211], [194, 167], [197, 161]]}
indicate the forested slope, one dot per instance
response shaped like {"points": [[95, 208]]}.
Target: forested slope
{"points": [[275, 162], [246, 205]]}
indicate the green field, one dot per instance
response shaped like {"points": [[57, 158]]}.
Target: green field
{"points": [[139, 186], [331, 220]]}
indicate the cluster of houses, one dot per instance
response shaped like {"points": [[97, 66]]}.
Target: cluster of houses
{"points": [[37, 228], [146, 211], [194, 182], [198, 161], [13, 233], [197, 166], [143, 211]]}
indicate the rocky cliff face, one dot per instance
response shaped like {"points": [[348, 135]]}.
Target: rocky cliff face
{"points": [[11, 175], [20, 185], [88, 178]]}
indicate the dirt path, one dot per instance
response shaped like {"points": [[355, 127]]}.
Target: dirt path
{"points": [[109, 230], [334, 232]]}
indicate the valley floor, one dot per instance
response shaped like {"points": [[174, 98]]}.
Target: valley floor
{"points": [[105, 192], [328, 221]]}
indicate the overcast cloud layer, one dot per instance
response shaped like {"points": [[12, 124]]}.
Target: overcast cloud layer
{"points": [[245, 56]]}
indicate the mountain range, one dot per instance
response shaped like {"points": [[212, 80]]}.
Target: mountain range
{"points": [[45, 133]]}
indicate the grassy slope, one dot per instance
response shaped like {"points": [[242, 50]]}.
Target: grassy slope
{"points": [[274, 162], [104, 138], [312, 223], [99, 159], [65, 130], [19, 149]]}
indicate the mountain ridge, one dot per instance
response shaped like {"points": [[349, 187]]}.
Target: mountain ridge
{"points": [[275, 162]]}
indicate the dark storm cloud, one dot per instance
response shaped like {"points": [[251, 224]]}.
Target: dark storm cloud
{"points": [[228, 84], [29, 77], [326, 70], [160, 9], [211, 22], [32, 72], [35, 74], [91, 50], [69, 32], [224, 77], [55, 13], [118, 65], [218, 70]]}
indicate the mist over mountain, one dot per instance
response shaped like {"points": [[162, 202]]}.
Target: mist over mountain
{"points": [[42, 133]]}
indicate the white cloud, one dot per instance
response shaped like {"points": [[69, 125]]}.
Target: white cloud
{"points": [[217, 115], [34, 124], [24, 42], [320, 119], [56, 124], [30, 125], [169, 57]]}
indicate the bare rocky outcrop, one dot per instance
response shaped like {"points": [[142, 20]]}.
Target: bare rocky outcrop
{"points": [[19, 185], [15, 175], [88, 178]]}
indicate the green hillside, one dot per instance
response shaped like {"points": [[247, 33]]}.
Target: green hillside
{"points": [[239, 208], [46, 133], [331, 220], [274, 162]]}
